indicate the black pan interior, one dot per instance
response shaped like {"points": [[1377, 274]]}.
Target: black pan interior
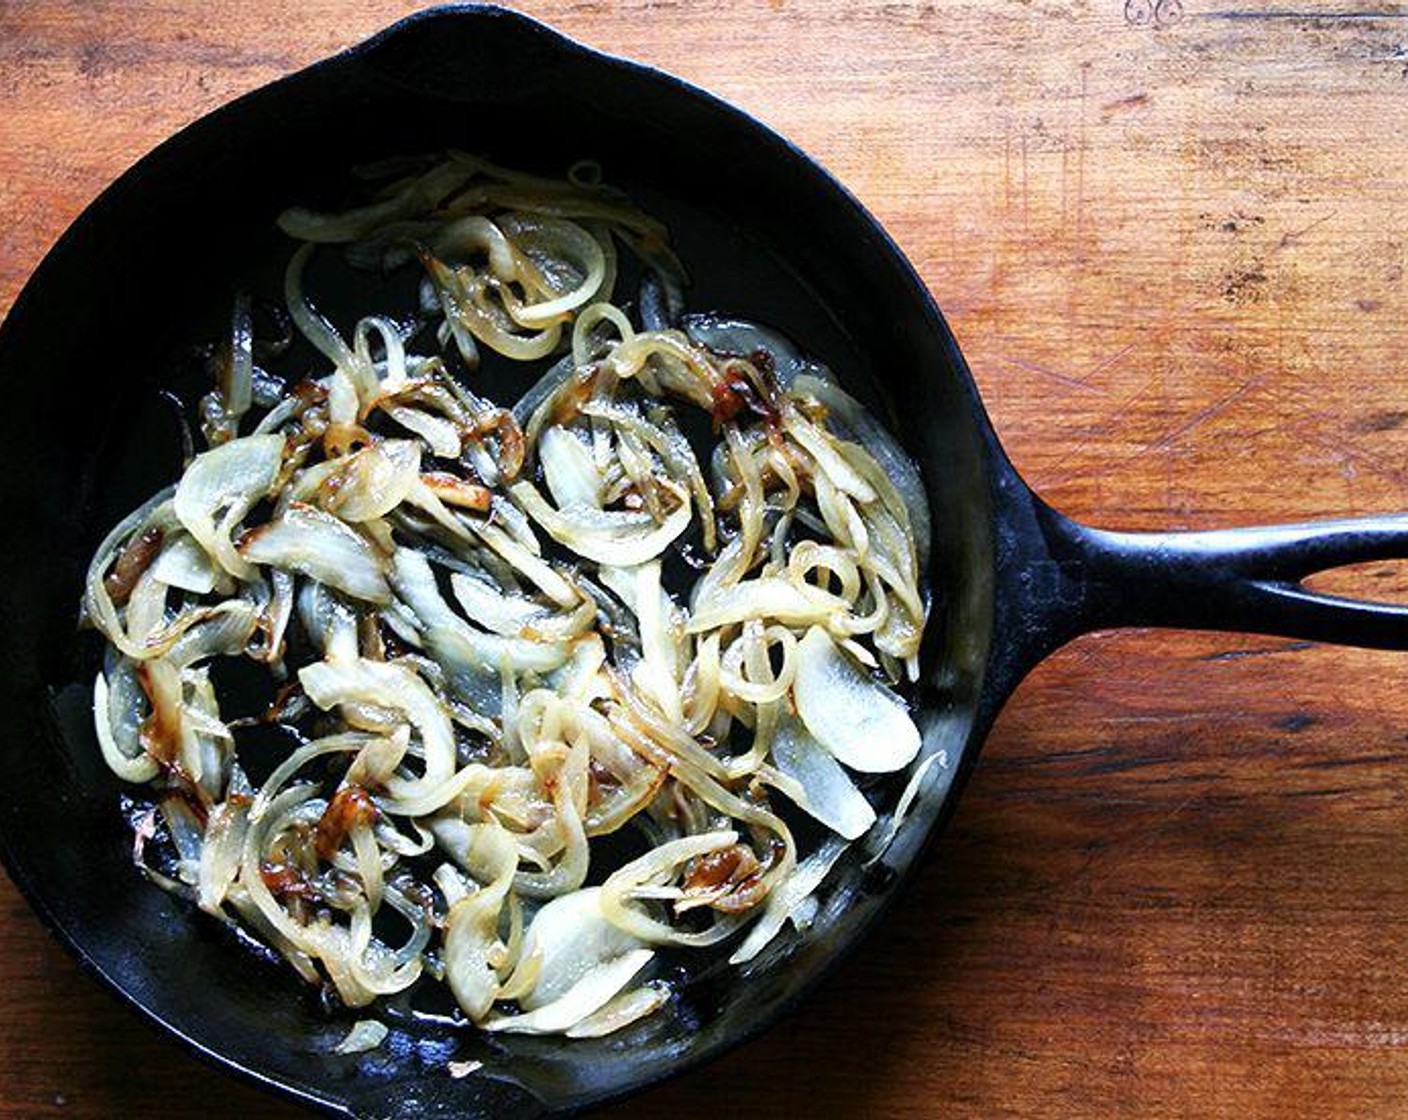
{"points": [[109, 321]]}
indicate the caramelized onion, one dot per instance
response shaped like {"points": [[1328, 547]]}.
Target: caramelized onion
{"points": [[473, 626]]}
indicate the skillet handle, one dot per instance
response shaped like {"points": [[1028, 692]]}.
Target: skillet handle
{"points": [[1227, 579]]}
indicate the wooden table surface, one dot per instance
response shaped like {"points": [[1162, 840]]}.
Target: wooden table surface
{"points": [[1171, 240]]}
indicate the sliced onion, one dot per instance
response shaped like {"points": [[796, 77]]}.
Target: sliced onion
{"points": [[221, 852], [862, 723], [471, 928], [788, 898], [185, 565], [588, 995], [220, 487], [894, 469], [827, 793], [417, 196], [370, 483], [570, 936], [487, 606], [621, 1011], [366, 1034], [440, 434], [456, 644], [654, 869], [569, 469], [394, 687], [623, 538], [743, 339], [580, 961], [791, 603], [315, 544], [819, 445], [128, 767]]}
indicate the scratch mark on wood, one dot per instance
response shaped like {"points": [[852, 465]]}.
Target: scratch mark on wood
{"points": [[1133, 101], [1203, 415], [1045, 371], [1258, 651], [1303, 14], [1291, 238]]}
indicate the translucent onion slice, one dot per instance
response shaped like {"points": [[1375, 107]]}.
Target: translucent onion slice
{"points": [[791, 603], [472, 945], [452, 641], [222, 485], [622, 538], [397, 688], [819, 444], [487, 606], [312, 543], [829, 795], [787, 899], [569, 469], [417, 196], [579, 959], [442, 436], [621, 1011], [366, 1034], [220, 855], [130, 768], [185, 565], [587, 996], [895, 472], [570, 936], [862, 723], [370, 483], [742, 339], [654, 869]]}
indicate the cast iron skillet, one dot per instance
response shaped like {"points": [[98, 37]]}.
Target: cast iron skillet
{"points": [[151, 265]]}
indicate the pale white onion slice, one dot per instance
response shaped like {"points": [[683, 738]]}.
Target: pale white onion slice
{"points": [[570, 936], [587, 996], [440, 434], [366, 1034], [130, 768], [569, 469], [862, 723], [220, 486], [621, 1011], [895, 469], [453, 642], [623, 538], [472, 945], [496, 611], [829, 795], [315, 544], [184, 564], [220, 854], [654, 869], [819, 445], [392, 686], [579, 961], [793, 604]]}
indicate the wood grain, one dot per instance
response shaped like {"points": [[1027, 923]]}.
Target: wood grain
{"points": [[1171, 239]]}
